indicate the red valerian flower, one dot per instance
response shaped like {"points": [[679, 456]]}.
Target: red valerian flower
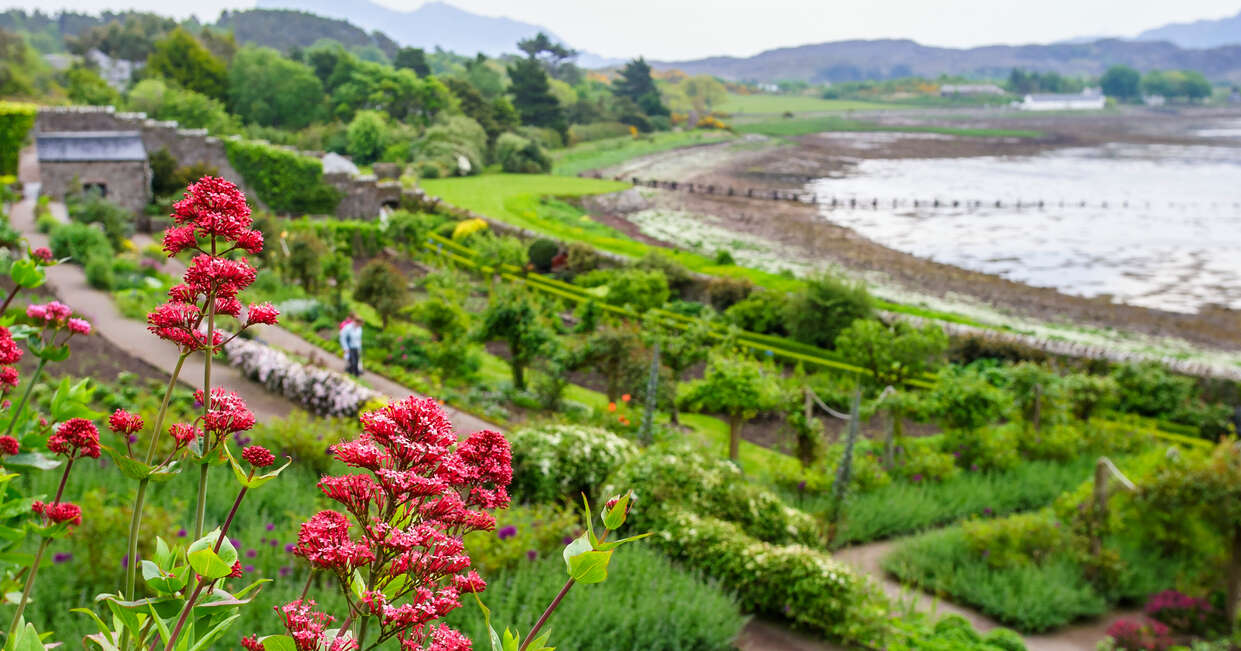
{"points": [[9, 446], [123, 422], [258, 456], [178, 323], [236, 573], [179, 238], [305, 625], [251, 241], [324, 541], [54, 314], [215, 207], [63, 512], [227, 413], [251, 643], [8, 378], [184, 433], [467, 583], [76, 437], [10, 352], [261, 313], [225, 277]]}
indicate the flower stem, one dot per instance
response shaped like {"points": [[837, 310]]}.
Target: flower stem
{"points": [[210, 352], [547, 613], [185, 613], [201, 511], [34, 379], [64, 477], [21, 606], [8, 300], [135, 523], [229, 520], [306, 589], [163, 407]]}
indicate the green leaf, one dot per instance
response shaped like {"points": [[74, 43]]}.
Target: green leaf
{"points": [[540, 643], [615, 517], [129, 467], [53, 353], [210, 636], [590, 567], [25, 639], [165, 473], [27, 274], [36, 460], [106, 639], [131, 618], [209, 564], [495, 638], [580, 545], [607, 546], [357, 584], [512, 641], [278, 643], [163, 554]]}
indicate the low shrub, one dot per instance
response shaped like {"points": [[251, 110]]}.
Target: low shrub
{"points": [[984, 448], [1023, 539], [792, 581], [1183, 613], [1134, 635], [79, 242], [554, 462], [579, 133], [690, 613], [454, 146], [518, 155], [761, 312], [541, 253], [99, 272], [319, 390], [724, 292]]}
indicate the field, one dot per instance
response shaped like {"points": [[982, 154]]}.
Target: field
{"points": [[614, 151], [493, 194], [794, 103]]}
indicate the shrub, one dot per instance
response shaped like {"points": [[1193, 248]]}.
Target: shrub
{"points": [[465, 228], [761, 312], [79, 242], [1133, 635], [318, 390], [1005, 639], [724, 292], [723, 258], [304, 265], [288, 182], [828, 305], [680, 477], [1024, 539], [926, 464], [542, 136], [581, 258], [963, 399], [1181, 612], [892, 353], [1085, 394], [99, 272], [553, 462], [499, 249], [638, 289], [368, 136], [984, 448], [454, 146], [519, 155], [679, 276], [540, 528], [541, 253], [305, 439], [90, 208], [16, 119], [792, 581]]}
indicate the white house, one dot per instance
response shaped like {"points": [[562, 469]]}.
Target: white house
{"points": [[1087, 100]]}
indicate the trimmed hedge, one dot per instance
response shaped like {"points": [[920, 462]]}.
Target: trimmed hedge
{"points": [[16, 119], [288, 182]]}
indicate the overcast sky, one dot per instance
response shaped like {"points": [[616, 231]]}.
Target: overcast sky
{"points": [[682, 29]]}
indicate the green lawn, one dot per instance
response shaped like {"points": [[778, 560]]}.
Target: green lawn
{"points": [[493, 194], [614, 151], [801, 127], [794, 103]]}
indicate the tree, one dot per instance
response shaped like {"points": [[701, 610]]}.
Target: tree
{"points": [[512, 317], [367, 136], [1176, 84], [412, 58], [704, 92], [85, 86], [820, 312], [191, 110], [268, 89], [635, 82], [446, 320], [610, 350], [553, 56], [679, 349], [518, 155], [305, 262], [383, 287], [532, 96], [738, 387], [475, 106], [892, 353], [1122, 82], [181, 58]]}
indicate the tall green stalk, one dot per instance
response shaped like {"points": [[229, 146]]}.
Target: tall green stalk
{"points": [[21, 405], [201, 510]]}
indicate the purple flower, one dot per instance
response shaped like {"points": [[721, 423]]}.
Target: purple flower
{"points": [[289, 548], [133, 438], [567, 540], [181, 533], [531, 554], [801, 486], [250, 553], [506, 532], [986, 553], [249, 569], [271, 526], [236, 542], [916, 478], [974, 467], [125, 561], [285, 571], [273, 542], [986, 510], [62, 557]]}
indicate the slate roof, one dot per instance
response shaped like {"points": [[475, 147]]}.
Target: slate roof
{"points": [[86, 146]]}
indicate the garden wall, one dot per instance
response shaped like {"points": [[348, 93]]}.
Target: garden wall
{"points": [[363, 196]]}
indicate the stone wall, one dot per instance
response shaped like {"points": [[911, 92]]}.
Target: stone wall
{"points": [[363, 196], [128, 183]]}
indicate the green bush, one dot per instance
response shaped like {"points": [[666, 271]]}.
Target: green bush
{"points": [[791, 581], [723, 292], [90, 208], [1023, 539], [638, 289], [679, 276], [541, 253], [690, 614], [579, 133], [519, 155], [555, 462], [1005, 639], [761, 312], [520, 529], [677, 477], [79, 242], [984, 448], [542, 136], [99, 272], [16, 120], [581, 258], [828, 305], [288, 182], [446, 143], [963, 399]]}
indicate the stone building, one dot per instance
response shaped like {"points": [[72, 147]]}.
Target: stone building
{"points": [[112, 162]]}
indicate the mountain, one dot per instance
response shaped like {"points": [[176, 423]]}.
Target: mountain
{"points": [[883, 59], [1198, 34], [282, 29], [434, 24]]}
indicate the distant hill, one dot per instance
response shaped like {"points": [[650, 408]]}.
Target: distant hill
{"points": [[890, 58], [282, 29], [1198, 34], [434, 24]]}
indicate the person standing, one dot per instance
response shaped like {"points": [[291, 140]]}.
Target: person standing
{"points": [[343, 336], [354, 341]]}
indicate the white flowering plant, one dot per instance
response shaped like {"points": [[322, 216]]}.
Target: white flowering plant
{"points": [[319, 390]]}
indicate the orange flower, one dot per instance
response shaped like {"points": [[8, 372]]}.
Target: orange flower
{"points": [[611, 406], [623, 420], [625, 398]]}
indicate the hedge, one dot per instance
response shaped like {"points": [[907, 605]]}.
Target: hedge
{"points": [[16, 119], [288, 182]]}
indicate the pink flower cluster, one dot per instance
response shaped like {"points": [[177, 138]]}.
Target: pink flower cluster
{"points": [[421, 492], [214, 220], [58, 512], [10, 353], [74, 438], [1135, 635], [57, 315], [1180, 611]]}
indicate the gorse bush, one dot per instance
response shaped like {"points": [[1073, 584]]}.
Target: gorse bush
{"points": [[520, 155]]}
